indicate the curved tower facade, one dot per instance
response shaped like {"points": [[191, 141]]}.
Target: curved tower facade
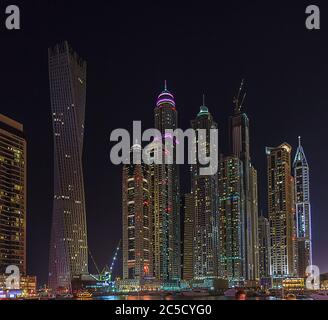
{"points": [[68, 248]]}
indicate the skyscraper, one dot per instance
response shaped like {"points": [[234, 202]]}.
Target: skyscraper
{"points": [[264, 247], [188, 252], [165, 187], [255, 270], [68, 248], [12, 195], [160, 215], [302, 210], [231, 205], [137, 220], [281, 211], [240, 146], [205, 192]]}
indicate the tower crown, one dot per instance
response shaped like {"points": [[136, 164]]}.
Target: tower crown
{"points": [[203, 109], [165, 98], [300, 157]]}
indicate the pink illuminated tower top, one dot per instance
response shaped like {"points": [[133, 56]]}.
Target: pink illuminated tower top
{"points": [[165, 98]]}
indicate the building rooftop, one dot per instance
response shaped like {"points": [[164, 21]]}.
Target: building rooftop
{"points": [[11, 123]]}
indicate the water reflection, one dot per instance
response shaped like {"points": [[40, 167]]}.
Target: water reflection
{"points": [[174, 297]]}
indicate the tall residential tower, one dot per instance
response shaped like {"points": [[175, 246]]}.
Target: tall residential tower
{"points": [[165, 190], [240, 147], [137, 220], [232, 213], [68, 248], [12, 195], [264, 247], [303, 211], [281, 211], [188, 236], [205, 192]]}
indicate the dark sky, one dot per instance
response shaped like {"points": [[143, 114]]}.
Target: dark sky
{"points": [[199, 48]]}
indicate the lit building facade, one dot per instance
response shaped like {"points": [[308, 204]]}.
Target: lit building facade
{"points": [[160, 215], [281, 211], [205, 192], [165, 195], [255, 267], [302, 211], [12, 195], [231, 212], [27, 284], [137, 221], [264, 247], [188, 237], [68, 248], [240, 147]]}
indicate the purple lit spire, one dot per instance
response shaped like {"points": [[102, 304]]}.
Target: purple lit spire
{"points": [[165, 98]]}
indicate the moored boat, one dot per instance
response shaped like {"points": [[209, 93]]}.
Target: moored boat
{"points": [[84, 295], [320, 295], [230, 292], [195, 293]]}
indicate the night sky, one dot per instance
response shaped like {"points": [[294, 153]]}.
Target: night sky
{"points": [[198, 48]]}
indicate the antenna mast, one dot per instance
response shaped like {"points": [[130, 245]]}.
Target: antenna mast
{"points": [[236, 100]]}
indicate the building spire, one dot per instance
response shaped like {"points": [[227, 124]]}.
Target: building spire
{"points": [[300, 155], [165, 85], [203, 108], [236, 100]]}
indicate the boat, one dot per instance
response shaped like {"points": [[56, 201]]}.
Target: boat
{"points": [[195, 293], [230, 292], [320, 295], [66, 296], [291, 296], [84, 295], [303, 297]]}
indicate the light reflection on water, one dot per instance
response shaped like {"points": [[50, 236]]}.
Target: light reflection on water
{"points": [[171, 297]]}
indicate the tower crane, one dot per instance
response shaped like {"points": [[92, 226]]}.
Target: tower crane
{"points": [[105, 276]]}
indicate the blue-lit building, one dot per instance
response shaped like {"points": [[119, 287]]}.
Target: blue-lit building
{"points": [[302, 211]]}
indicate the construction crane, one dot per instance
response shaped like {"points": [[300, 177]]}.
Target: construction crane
{"points": [[105, 276], [115, 258], [94, 262]]}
